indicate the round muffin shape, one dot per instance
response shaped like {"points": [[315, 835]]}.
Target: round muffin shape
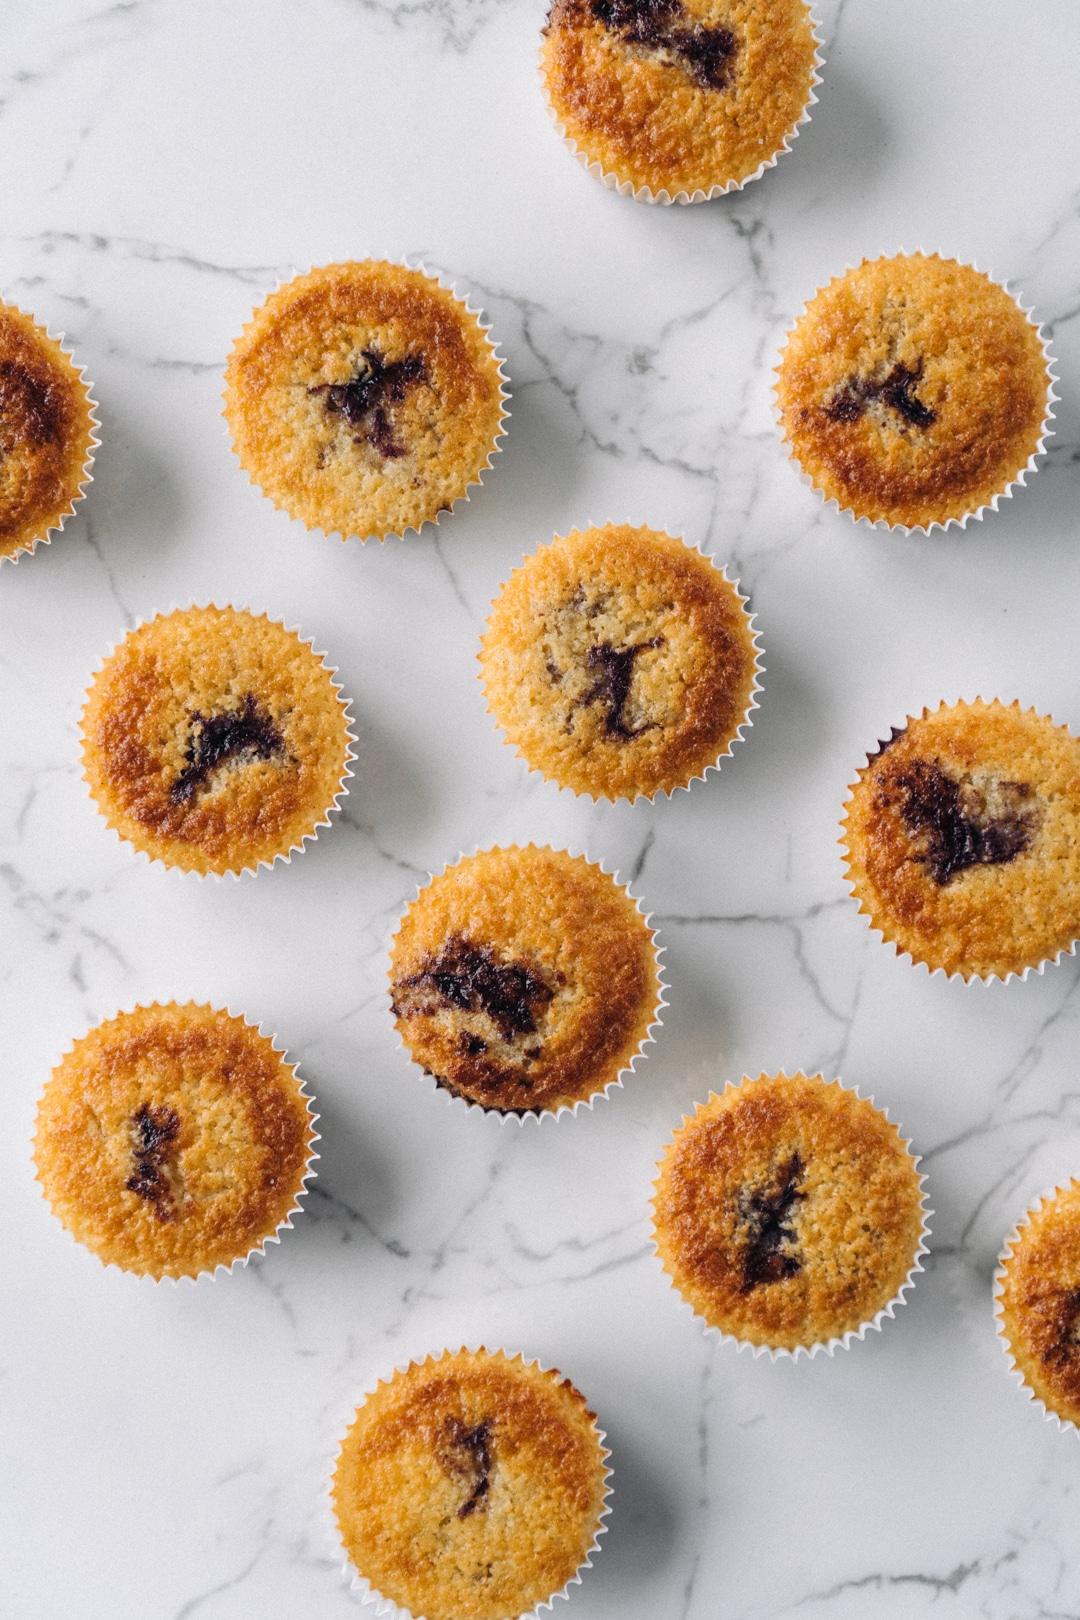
{"points": [[679, 100], [471, 1487], [789, 1213], [524, 980], [47, 436], [215, 740], [1037, 1302], [620, 662], [364, 398], [914, 391], [174, 1139], [962, 839]]}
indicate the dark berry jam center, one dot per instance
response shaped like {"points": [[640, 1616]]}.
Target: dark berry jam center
{"points": [[961, 825], [768, 1213], [896, 392], [706, 54], [614, 668], [154, 1130], [216, 738], [472, 979], [365, 400], [466, 1454]]}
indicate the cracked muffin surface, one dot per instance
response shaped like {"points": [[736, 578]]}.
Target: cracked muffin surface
{"points": [[678, 95], [471, 1487], [1039, 1302], [619, 661], [213, 740], [962, 839], [172, 1140], [46, 432], [788, 1211], [524, 979], [913, 390], [364, 398]]}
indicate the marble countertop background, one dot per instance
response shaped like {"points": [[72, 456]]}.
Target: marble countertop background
{"points": [[162, 164]]}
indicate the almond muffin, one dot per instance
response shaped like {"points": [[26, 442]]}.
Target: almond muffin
{"points": [[364, 399], [789, 1213], [962, 839], [679, 100], [620, 662], [47, 436], [524, 980], [914, 391], [1038, 1302], [214, 740], [471, 1487], [172, 1140]]}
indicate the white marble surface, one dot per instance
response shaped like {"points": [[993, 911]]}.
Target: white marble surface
{"points": [[162, 163]]}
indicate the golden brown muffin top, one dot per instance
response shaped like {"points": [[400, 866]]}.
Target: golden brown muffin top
{"points": [[524, 980], [962, 838], [679, 96], [788, 1212], [913, 389], [46, 432], [172, 1140], [471, 1487], [364, 398], [213, 740], [1039, 1302], [619, 661]]}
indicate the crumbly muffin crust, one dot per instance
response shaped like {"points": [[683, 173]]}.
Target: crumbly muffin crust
{"points": [[679, 96], [913, 390], [962, 839], [364, 398], [172, 1140], [619, 661], [471, 1487], [524, 980], [46, 432], [788, 1212], [213, 740], [1039, 1302]]}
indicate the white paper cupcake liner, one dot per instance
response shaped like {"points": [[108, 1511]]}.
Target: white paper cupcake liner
{"points": [[977, 513], [310, 1173], [984, 979], [746, 724], [645, 194], [309, 837], [86, 476], [842, 1341], [370, 1598], [1050, 1416], [506, 1116], [475, 481]]}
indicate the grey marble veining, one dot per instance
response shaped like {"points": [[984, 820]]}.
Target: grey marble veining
{"points": [[163, 163]]}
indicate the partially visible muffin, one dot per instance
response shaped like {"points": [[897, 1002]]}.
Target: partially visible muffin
{"points": [[962, 838], [679, 100], [914, 391], [620, 662], [1038, 1302], [524, 980], [47, 433], [471, 1487], [214, 740], [172, 1140], [788, 1212], [364, 398]]}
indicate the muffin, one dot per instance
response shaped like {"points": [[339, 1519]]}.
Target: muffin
{"points": [[962, 839], [1038, 1302], [214, 740], [524, 980], [914, 391], [620, 662], [172, 1140], [364, 398], [679, 100], [471, 1487], [47, 436], [789, 1213]]}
